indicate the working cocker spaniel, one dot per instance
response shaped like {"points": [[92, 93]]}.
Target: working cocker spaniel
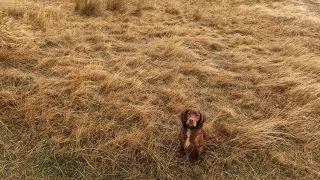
{"points": [[192, 134]]}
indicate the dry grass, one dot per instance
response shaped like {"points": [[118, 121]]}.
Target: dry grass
{"points": [[100, 97], [116, 5], [88, 7]]}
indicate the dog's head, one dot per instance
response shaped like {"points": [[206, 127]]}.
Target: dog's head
{"points": [[192, 118]]}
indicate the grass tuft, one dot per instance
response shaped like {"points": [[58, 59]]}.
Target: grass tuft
{"points": [[88, 7], [119, 6]]}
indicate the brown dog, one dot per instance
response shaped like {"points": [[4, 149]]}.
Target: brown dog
{"points": [[191, 134]]}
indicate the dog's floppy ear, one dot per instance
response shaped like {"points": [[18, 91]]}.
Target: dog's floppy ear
{"points": [[183, 118], [202, 120]]}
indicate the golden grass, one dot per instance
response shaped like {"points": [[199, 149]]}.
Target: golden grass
{"points": [[99, 97], [88, 7]]}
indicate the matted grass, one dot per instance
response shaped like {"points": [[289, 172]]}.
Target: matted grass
{"points": [[97, 94]]}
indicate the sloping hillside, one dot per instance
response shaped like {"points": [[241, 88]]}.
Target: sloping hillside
{"points": [[94, 90]]}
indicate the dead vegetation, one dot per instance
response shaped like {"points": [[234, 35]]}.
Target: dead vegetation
{"points": [[99, 97]]}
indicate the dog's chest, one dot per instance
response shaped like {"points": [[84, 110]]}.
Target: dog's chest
{"points": [[188, 142]]}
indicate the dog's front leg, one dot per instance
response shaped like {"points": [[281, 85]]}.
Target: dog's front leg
{"points": [[194, 156]]}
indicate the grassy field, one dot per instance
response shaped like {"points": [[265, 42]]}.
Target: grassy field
{"points": [[93, 89]]}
